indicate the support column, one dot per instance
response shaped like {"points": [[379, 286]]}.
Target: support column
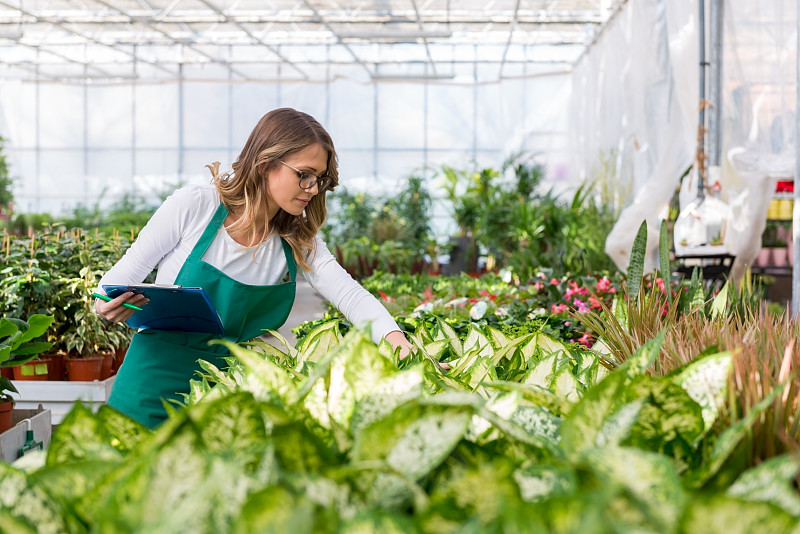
{"points": [[715, 84], [796, 211]]}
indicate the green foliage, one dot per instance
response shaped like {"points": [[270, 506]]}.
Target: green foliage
{"points": [[53, 273], [17, 339], [337, 435], [370, 233], [521, 228], [412, 206], [636, 265], [127, 215], [6, 184], [351, 215]]}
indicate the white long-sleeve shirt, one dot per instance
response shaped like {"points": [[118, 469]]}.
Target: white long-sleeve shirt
{"points": [[176, 227]]}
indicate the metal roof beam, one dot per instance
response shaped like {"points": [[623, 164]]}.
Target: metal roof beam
{"points": [[511, 29], [213, 59], [258, 40], [85, 36], [338, 38], [84, 17], [424, 39]]}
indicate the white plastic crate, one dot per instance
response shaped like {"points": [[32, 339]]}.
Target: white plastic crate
{"points": [[59, 396]]}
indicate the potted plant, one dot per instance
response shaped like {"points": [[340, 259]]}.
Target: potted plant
{"points": [[90, 342], [17, 346], [6, 403], [17, 341], [86, 339], [467, 193], [774, 245]]}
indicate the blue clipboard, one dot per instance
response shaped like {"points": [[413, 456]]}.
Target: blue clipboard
{"points": [[176, 308]]}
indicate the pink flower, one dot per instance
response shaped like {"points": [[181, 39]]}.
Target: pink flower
{"points": [[585, 340], [571, 290], [603, 285], [660, 284], [582, 306], [594, 303], [554, 282], [559, 308], [537, 286]]}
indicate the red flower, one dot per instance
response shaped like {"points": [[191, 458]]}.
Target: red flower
{"points": [[384, 296], [604, 285], [585, 340]]}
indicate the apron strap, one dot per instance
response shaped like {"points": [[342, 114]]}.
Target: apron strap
{"points": [[209, 233], [290, 261]]}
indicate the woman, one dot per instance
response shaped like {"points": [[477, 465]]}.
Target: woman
{"points": [[237, 239]]}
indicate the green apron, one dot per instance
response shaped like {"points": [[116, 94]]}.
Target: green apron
{"points": [[159, 363]]}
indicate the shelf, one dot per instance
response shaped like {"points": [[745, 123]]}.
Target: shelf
{"points": [[59, 396], [773, 270]]}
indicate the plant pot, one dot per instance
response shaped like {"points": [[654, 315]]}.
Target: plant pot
{"points": [[764, 257], [119, 355], [5, 415], [38, 369], [7, 372], [57, 371], [107, 369], [86, 369], [779, 257]]}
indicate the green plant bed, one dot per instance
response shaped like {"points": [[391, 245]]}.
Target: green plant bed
{"points": [[336, 435]]}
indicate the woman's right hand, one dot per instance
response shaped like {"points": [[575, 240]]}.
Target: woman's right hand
{"points": [[114, 311]]}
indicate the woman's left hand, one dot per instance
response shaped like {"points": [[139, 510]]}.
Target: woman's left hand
{"points": [[399, 340]]}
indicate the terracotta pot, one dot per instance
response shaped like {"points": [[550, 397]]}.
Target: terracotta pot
{"points": [[107, 369], [84, 369], [7, 372], [5, 415], [38, 369], [57, 371], [119, 355]]}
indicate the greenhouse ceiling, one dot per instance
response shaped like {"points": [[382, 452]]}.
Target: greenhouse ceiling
{"points": [[293, 40]]}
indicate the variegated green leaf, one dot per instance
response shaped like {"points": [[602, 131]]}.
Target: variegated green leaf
{"points": [[706, 382], [770, 482], [636, 265]]}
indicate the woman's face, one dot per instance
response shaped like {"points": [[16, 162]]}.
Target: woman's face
{"points": [[283, 183]]}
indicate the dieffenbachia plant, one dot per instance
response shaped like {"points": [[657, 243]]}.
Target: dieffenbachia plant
{"points": [[337, 435]]}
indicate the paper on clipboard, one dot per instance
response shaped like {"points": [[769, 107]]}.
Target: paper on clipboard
{"points": [[175, 308]]}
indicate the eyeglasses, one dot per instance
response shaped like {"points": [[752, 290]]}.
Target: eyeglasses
{"points": [[307, 180]]}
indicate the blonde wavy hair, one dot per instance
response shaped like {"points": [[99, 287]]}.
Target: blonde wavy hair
{"points": [[280, 133]]}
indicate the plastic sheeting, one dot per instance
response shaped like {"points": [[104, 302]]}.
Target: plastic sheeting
{"points": [[636, 96], [87, 143], [758, 111]]}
